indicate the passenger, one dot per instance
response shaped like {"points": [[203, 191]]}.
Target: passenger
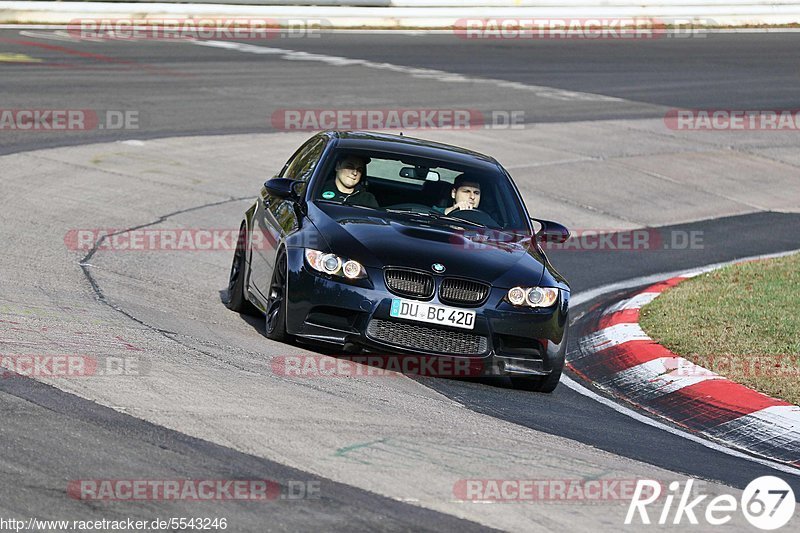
{"points": [[348, 186], [466, 194]]}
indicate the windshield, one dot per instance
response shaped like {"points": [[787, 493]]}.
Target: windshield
{"points": [[398, 185]]}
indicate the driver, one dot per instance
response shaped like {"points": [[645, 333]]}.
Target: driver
{"points": [[466, 194], [347, 186]]}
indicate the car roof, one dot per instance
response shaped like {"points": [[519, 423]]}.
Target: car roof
{"points": [[385, 142]]}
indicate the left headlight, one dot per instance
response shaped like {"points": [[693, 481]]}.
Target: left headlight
{"points": [[532, 296], [335, 265]]}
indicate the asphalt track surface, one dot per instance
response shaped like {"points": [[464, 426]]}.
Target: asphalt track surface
{"points": [[182, 89]]}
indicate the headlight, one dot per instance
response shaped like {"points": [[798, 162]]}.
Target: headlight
{"points": [[352, 269], [334, 265], [532, 296], [517, 296], [331, 263]]}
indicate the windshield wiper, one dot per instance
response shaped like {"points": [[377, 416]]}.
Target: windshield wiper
{"points": [[402, 210], [435, 216], [331, 202], [456, 219], [410, 211]]}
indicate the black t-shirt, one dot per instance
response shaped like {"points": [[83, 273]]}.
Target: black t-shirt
{"points": [[359, 196]]}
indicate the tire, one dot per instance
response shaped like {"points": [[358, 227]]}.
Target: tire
{"points": [[277, 304], [546, 383], [537, 383], [236, 299]]}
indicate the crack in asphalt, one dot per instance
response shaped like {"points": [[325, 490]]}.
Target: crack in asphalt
{"points": [[101, 297], [173, 335]]}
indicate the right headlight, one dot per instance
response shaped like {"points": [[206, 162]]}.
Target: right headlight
{"points": [[532, 296]]}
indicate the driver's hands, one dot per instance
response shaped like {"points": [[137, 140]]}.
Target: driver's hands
{"points": [[460, 205]]}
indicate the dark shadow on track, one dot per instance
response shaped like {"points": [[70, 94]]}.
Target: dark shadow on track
{"points": [[97, 442]]}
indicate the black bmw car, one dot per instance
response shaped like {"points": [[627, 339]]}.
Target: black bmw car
{"points": [[377, 243]]}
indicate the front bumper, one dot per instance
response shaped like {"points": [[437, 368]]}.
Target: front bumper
{"points": [[355, 317]]}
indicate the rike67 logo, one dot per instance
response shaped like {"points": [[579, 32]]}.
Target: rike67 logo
{"points": [[767, 502]]}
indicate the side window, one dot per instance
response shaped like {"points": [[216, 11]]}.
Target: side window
{"points": [[303, 163]]}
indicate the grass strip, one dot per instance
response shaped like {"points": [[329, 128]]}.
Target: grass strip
{"points": [[741, 321]]}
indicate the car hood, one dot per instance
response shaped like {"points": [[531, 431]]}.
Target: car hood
{"points": [[376, 240]]}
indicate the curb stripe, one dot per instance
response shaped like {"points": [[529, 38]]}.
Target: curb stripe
{"points": [[772, 430], [648, 381], [711, 403], [613, 336], [602, 364], [636, 302], [628, 316], [664, 285]]}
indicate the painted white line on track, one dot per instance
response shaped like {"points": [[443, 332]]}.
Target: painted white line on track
{"points": [[423, 73], [639, 417], [52, 36]]}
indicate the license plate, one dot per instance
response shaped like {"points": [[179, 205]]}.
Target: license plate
{"points": [[432, 314]]}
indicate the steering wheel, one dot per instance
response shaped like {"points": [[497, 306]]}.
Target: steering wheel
{"points": [[475, 215]]}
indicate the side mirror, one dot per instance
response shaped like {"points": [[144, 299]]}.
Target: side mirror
{"points": [[284, 188], [551, 232]]}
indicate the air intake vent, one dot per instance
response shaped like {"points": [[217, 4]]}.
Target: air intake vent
{"points": [[463, 291], [427, 339], [409, 283]]}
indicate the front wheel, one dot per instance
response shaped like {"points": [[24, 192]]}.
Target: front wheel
{"points": [[546, 383], [537, 383], [276, 307]]}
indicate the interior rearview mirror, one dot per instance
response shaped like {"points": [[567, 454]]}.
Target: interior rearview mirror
{"points": [[419, 173]]}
